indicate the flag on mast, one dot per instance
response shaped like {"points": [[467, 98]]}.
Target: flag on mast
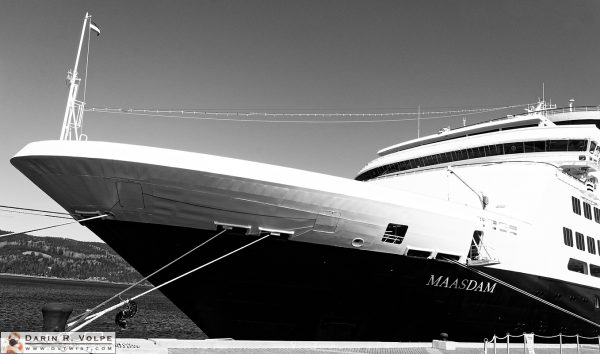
{"points": [[94, 27]]}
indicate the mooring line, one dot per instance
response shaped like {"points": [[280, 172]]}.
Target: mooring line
{"points": [[80, 318], [38, 210], [93, 317], [53, 226], [519, 290]]}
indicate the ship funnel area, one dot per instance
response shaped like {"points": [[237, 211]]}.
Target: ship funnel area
{"points": [[73, 118]]}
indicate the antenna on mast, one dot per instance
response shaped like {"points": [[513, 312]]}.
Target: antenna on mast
{"points": [[71, 127]]}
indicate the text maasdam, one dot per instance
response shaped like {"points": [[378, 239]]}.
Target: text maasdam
{"points": [[464, 284]]}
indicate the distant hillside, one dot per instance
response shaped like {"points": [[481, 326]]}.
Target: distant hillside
{"points": [[63, 258]]}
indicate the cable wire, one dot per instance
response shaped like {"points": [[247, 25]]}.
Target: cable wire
{"points": [[521, 291], [53, 226], [38, 210], [99, 314], [251, 116], [79, 318]]}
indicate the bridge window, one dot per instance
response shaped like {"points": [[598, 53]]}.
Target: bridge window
{"points": [[513, 148], [577, 145], [534, 146], [577, 266], [579, 241], [568, 236], [557, 145], [477, 152]]}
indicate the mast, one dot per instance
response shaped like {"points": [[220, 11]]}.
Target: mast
{"points": [[74, 110]]}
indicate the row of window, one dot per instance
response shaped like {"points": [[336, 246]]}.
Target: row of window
{"points": [[476, 152], [587, 209], [578, 266], [580, 241]]}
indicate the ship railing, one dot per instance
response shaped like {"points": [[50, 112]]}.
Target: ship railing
{"points": [[553, 111], [528, 343]]}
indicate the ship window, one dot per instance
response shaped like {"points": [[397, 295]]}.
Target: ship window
{"points": [[579, 241], [568, 236], [482, 151], [592, 147], [591, 244], [418, 253], [595, 272], [442, 158], [492, 150], [597, 215], [429, 160], [534, 146], [476, 152], [557, 145], [513, 148], [577, 266], [587, 210], [577, 145], [463, 154], [576, 205], [596, 302], [446, 256], [456, 156], [394, 233]]}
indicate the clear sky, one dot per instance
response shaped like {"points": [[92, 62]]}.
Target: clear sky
{"points": [[301, 56]]}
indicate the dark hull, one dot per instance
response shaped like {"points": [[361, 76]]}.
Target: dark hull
{"points": [[285, 290]]}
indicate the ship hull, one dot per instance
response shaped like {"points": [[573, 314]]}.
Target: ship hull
{"points": [[337, 265], [283, 290]]}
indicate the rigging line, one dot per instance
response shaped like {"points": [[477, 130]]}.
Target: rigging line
{"points": [[24, 212], [87, 55], [80, 318], [512, 287], [53, 226], [41, 211], [287, 114], [283, 121], [95, 316]]}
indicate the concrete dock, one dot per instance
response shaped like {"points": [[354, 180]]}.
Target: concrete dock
{"points": [[224, 346]]}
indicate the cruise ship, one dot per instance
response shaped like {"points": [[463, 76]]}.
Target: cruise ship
{"points": [[482, 230], [486, 229]]}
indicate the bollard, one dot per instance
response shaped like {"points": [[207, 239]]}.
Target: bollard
{"points": [[444, 336], [55, 316]]}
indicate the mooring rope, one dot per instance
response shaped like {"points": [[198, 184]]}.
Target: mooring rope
{"points": [[38, 210], [521, 291], [53, 226], [35, 214], [79, 318], [93, 317]]}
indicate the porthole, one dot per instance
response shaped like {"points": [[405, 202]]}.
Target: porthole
{"points": [[358, 242]]}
